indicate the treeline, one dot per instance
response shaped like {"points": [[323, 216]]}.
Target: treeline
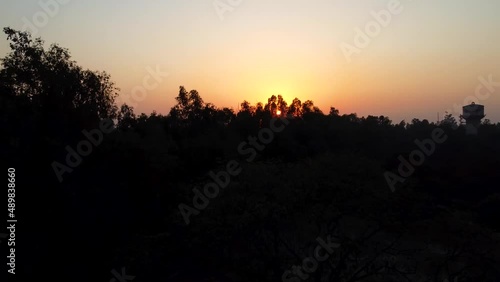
{"points": [[322, 175]]}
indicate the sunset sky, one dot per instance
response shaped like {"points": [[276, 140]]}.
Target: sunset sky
{"points": [[427, 59]]}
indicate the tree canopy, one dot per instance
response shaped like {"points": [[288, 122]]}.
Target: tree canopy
{"points": [[51, 82], [318, 176]]}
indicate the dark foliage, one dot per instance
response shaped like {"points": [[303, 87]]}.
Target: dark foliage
{"points": [[324, 174]]}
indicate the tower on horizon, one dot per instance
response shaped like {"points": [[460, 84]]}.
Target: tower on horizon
{"points": [[473, 114]]}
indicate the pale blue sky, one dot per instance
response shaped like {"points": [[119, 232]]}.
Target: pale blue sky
{"points": [[426, 60]]}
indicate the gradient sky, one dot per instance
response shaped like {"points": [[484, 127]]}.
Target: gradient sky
{"points": [[425, 61]]}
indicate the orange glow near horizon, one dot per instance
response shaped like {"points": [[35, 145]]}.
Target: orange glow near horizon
{"points": [[415, 67]]}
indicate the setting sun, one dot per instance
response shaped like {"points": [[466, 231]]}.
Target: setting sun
{"points": [[278, 112]]}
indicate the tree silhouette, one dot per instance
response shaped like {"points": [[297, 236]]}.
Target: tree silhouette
{"points": [[318, 175], [449, 121], [281, 105], [53, 83], [126, 117], [334, 112], [271, 105], [189, 105], [295, 108], [308, 107]]}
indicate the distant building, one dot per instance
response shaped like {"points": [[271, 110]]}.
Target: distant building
{"points": [[473, 114]]}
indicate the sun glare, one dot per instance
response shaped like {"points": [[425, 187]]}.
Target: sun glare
{"points": [[278, 112]]}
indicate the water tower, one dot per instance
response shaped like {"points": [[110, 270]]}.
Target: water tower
{"points": [[473, 114]]}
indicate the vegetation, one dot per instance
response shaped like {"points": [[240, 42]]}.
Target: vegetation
{"points": [[322, 175]]}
